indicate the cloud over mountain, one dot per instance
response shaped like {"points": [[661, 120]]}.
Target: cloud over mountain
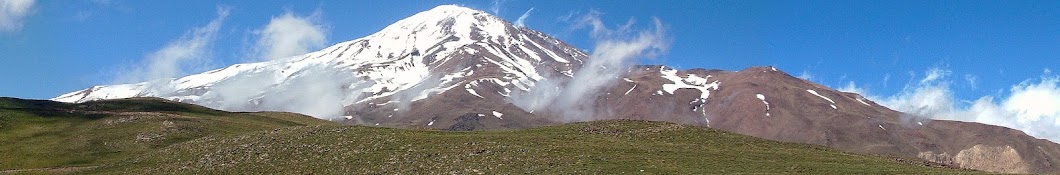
{"points": [[289, 35], [12, 14], [1032, 106], [178, 57]]}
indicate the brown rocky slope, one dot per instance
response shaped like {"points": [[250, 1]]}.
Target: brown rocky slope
{"points": [[798, 111]]}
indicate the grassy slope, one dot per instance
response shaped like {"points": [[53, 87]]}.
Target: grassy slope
{"points": [[160, 137], [603, 147], [44, 134]]}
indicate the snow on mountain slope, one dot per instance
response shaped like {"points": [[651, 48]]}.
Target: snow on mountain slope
{"points": [[416, 57]]}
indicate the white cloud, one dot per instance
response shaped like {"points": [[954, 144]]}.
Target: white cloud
{"points": [[317, 91], [1035, 101], [566, 18], [12, 12], [592, 20], [289, 35], [934, 74], [853, 88], [1033, 106], [971, 79], [930, 99], [520, 22], [179, 56], [495, 7], [886, 80], [614, 52], [805, 75]]}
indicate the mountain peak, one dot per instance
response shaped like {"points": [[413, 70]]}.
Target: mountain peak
{"points": [[452, 8], [447, 20], [412, 59]]}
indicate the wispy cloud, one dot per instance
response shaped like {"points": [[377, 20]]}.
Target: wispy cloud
{"points": [[317, 90], [571, 98], [852, 88], [495, 7], [1032, 106], [179, 56], [971, 79], [94, 8], [593, 22], [934, 74], [522, 19], [805, 75], [289, 35], [12, 13], [566, 18], [886, 80]]}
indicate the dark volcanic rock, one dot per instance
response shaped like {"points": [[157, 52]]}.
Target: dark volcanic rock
{"points": [[467, 122]]}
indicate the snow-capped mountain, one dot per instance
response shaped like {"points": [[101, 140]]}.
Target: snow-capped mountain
{"points": [[444, 48], [457, 68]]}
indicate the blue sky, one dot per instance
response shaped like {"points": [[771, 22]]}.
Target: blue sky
{"points": [[64, 46], [995, 53]]}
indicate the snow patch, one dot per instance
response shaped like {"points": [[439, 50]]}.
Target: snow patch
{"points": [[472, 91], [105, 92], [811, 91], [763, 98], [862, 100], [630, 89], [387, 102], [819, 95], [691, 81], [498, 114]]}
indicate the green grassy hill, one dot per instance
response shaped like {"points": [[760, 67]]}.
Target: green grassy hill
{"points": [[38, 134], [152, 136]]}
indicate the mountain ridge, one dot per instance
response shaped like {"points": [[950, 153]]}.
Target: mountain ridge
{"points": [[463, 76], [385, 64]]}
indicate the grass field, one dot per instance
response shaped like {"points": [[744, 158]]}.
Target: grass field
{"points": [[604, 147], [45, 134], [151, 136]]}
